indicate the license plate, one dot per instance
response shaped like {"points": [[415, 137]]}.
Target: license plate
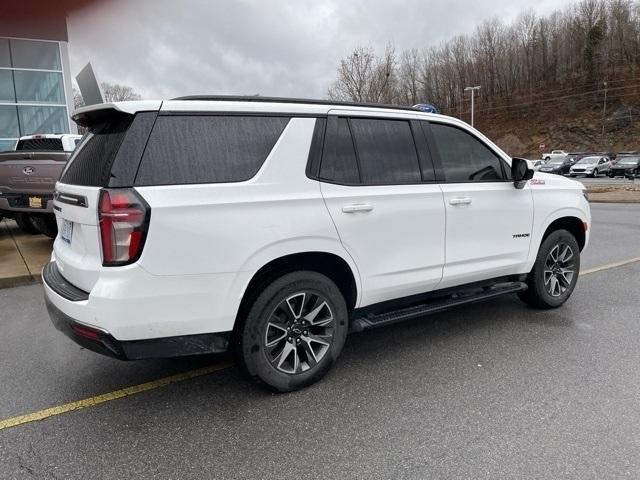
{"points": [[35, 202], [66, 232]]}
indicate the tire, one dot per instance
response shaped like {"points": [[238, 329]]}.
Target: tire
{"points": [[595, 173], [46, 224], [552, 294], [289, 302], [26, 224]]}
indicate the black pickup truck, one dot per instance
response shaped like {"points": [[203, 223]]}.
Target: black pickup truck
{"points": [[28, 177]]}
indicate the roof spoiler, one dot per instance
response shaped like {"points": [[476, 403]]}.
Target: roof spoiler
{"points": [[92, 114]]}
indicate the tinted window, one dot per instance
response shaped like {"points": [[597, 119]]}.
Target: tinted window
{"points": [[33, 54], [9, 121], [91, 161], [339, 162], [43, 119], [386, 151], [42, 144], [39, 87], [207, 149], [464, 158]]}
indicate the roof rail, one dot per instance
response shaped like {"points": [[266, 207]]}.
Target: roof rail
{"points": [[312, 101]]}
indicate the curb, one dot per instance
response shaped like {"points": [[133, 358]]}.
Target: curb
{"points": [[19, 281]]}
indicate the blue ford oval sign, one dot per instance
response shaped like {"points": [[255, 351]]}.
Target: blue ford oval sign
{"points": [[426, 107], [28, 170]]}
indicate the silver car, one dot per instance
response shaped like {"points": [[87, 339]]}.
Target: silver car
{"points": [[591, 166]]}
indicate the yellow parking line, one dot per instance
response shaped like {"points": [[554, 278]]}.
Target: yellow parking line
{"points": [[107, 397], [609, 266], [180, 377]]}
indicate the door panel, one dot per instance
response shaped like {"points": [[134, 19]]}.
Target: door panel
{"points": [[395, 234], [489, 221], [489, 234]]}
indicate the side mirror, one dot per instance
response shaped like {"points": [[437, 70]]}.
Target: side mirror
{"points": [[520, 172]]}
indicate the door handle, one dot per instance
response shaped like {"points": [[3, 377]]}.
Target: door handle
{"points": [[357, 207], [460, 201]]}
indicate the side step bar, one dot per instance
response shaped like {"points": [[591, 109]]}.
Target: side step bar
{"points": [[374, 320]]}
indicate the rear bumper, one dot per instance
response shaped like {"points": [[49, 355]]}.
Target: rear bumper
{"points": [[19, 202], [67, 304]]}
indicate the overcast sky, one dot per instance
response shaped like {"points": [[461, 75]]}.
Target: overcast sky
{"points": [[167, 48]]}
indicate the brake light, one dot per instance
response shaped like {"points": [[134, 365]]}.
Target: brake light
{"points": [[124, 219]]}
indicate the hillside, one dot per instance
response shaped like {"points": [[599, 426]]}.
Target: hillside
{"points": [[569, 118]]}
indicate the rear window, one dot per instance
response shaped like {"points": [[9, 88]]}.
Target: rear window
{"points": [[187, 149], [91, 162], [40, 144]]}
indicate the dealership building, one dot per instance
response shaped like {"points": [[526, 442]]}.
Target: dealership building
{"points": [[35, 83]]}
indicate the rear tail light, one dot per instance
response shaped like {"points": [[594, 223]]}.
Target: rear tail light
{"points": [[124, 219]]}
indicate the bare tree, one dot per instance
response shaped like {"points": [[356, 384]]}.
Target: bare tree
{"points": [[115, 92], [365, 77]]}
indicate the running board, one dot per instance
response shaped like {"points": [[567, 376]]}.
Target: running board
{"points": [[373, 320]]}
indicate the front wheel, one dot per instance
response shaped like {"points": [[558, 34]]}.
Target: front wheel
{"points": [[555, 272], [294, 331], [595, 173]]}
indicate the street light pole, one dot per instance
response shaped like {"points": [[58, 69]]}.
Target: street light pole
{"points": [[604, 113], [473, 91]]}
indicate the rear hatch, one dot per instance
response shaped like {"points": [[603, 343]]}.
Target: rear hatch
{"points": [[107, 158]]}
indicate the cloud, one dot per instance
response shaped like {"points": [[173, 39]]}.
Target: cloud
{"points": [[167, 48]]}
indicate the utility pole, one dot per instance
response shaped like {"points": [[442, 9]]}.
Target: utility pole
{"points": [[473, 91], [604, 113]]}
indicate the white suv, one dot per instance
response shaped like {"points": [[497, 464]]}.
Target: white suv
{"points": [[275, 226]]}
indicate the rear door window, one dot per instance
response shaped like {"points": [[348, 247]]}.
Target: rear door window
{"points": [[188, 149], [339, 163], [386, 151]]}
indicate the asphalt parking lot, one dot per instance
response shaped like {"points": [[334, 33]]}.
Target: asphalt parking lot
{"points": [[491, 391]]}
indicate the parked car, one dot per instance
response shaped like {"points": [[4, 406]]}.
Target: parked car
{"points": [[620, 155], [591, 166], [275, 226], [555, 154], [559, 166], [626, 167], [27, 180], [536, 164]]}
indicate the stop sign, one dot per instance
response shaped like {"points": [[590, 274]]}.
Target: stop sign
{"points": [[542, 146]]}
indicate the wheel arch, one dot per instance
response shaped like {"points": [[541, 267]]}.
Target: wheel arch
{"points": [[338, 269], [574, 225]]}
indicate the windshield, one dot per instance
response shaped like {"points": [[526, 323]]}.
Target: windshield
{"points": [[557, 161], [589, 161], [629, 161]]}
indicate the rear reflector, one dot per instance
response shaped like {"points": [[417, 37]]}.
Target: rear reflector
{"points": [[85, 332], [124, 220]]}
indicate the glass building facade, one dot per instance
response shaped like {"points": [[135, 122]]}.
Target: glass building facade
{"points": [[33, 96]]}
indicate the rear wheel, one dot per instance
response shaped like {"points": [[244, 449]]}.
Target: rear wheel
{"points": [[555, 272], [26, 224], [294, 331]]}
